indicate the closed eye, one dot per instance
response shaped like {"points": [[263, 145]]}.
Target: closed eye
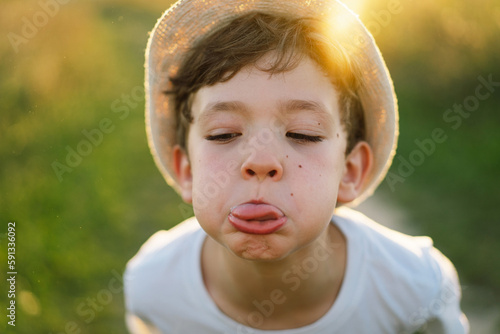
{"points": [[222, 138], [300, 137]]}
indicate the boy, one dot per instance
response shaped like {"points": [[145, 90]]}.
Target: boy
{"points": [[269, 117]]}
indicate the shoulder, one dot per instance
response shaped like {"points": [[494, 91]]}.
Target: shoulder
{"points": [[164, 257], [410, 276], [163, 242], [164, 245], [405, 255]]}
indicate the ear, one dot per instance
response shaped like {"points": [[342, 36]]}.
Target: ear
{"points": [[182, 169], [357, 167]]}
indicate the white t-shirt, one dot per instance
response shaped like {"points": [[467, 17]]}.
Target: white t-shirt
{"points": [[393, 283]]}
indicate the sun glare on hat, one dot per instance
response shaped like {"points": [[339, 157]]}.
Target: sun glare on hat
{"points": [[356, 6], [343, 29], [340, 26]]}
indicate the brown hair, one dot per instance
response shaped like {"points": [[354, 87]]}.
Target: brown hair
{"points": [[221, 54]]}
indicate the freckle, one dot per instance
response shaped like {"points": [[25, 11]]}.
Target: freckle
{"points": [[291, 194], [300, 166]]}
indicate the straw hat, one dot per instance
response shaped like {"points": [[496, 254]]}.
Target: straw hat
{"points": [[189, 20]]}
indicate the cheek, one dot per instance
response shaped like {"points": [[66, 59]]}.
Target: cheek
{"points": [[212, 175], [318, 177], [211, 166], [212, 179], [318, 186]]}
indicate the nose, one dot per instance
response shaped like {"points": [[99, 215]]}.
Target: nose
{"points": [[262, 165]]}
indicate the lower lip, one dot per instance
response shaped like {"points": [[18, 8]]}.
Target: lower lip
{"points": [[257, 226]]}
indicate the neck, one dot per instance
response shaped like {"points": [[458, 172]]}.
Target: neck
{"points": [[283, 294]]}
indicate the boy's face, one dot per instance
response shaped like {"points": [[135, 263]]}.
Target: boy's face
{"points": [[266, 160]]}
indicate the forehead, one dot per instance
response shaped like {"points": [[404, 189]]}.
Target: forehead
{"points": [[303, 89]]}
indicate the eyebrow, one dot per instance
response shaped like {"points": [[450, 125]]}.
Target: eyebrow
{"points": [[285, 108], [294, 106], [222, 106], [298, 105]]}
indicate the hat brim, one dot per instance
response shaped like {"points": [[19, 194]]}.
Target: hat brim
{"points": [[187, 21]]}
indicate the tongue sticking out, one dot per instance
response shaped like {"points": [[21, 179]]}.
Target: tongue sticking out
{"points": [[261, 212], [257, 218]]}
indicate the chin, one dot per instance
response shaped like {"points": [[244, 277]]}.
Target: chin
{"points": [[258, 248]]}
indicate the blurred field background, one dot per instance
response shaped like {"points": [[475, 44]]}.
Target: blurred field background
{"points": [[82, 70]]}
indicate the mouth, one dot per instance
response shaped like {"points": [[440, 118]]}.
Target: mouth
{"points": [[256, 218]]}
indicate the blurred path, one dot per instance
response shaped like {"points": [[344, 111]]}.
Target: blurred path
{"points": [[481, 310]]}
